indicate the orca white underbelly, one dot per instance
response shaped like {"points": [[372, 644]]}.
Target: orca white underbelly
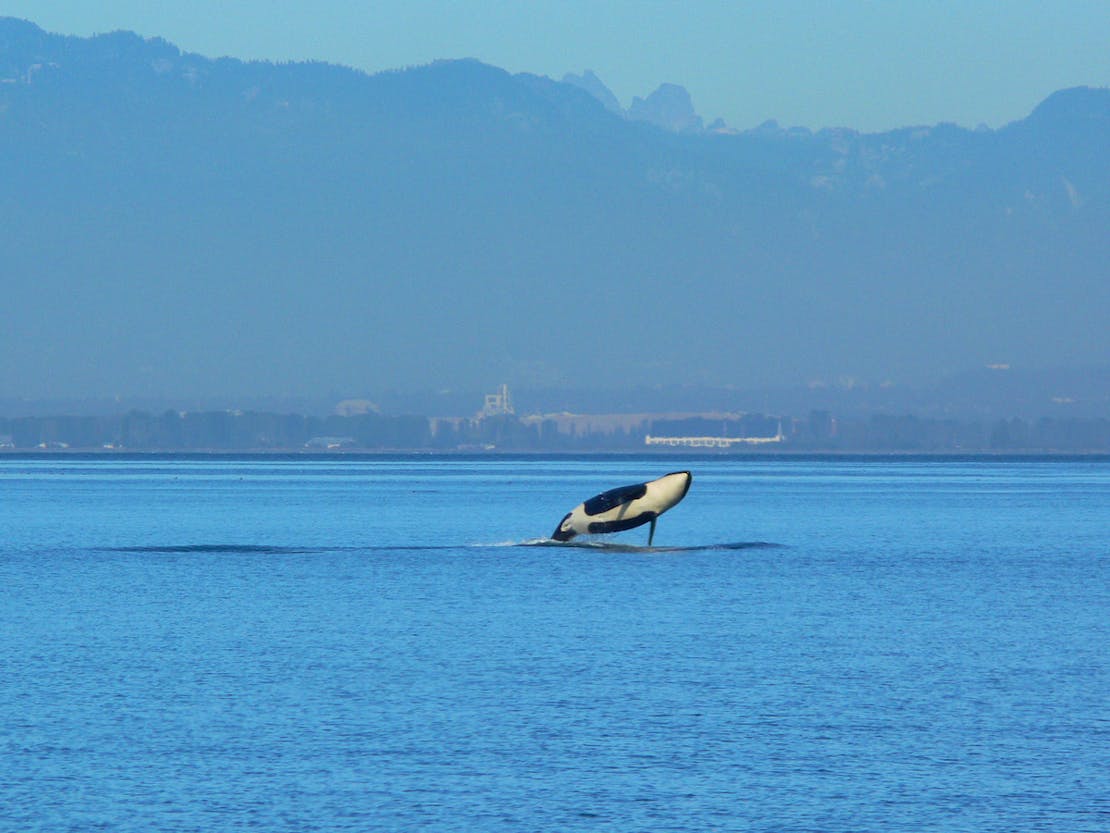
{"points": [[625, 507]]}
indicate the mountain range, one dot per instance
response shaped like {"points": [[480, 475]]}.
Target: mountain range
{"points": [[177, 225]]}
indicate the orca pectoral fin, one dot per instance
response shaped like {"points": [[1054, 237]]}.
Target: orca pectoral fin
{"points": [[651, 533]]}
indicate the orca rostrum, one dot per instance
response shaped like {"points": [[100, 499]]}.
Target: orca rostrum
{"points": [[625, 507]]}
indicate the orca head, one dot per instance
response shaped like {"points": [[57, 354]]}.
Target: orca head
{"points": [[564, 531], [671, 488]]}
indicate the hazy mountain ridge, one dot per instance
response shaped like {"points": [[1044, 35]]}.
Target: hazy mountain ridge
{"points": [[1077, 119], [669, 107], [181, 223]]}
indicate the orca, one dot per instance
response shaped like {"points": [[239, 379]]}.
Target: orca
{"points": [[625, 507]]}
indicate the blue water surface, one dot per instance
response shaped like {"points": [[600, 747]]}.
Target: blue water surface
{"points": [[387, 644]]}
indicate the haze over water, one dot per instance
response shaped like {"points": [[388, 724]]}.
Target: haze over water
{"points": [[380, 644]]}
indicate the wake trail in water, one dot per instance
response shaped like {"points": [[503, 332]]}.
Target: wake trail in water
{"points": [[260, 549], [585, 546]]}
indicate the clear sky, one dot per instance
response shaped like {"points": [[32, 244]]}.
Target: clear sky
{"points": [[870, 65]]}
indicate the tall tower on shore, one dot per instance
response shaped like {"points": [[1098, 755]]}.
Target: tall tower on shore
{"points": [[498, 404]]}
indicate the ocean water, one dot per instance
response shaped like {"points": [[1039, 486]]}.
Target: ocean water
{"points": [[213, 644]]}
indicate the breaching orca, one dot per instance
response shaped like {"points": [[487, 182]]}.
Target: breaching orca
{"points": [[625, 507]]}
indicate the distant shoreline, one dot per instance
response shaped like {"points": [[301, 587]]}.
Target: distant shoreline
{"points": [[408, 454]]}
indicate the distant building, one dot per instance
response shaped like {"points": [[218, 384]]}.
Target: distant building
{"points": [[715, 442], [330, 443], [356, 407], [497, 404]]}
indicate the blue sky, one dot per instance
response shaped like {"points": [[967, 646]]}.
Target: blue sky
{"points": [[871, 65]]}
